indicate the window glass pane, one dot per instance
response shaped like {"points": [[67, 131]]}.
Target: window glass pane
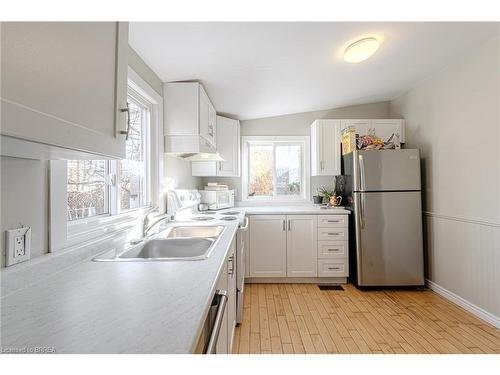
{"points": [[132, 170], [87, 189], [288, 169], [261, 165]]}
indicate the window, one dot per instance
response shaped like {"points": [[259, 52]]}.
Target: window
{"points": [[275, 168], [100, 187], [88, 193], [94, 198], [132, 172]]}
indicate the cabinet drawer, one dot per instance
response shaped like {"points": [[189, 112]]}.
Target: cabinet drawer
{"points": [[329, 221], [333, 268], [333, 249], [332, 234]]}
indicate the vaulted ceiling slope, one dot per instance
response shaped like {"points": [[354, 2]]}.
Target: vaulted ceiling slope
{"points": [[255, 70]]}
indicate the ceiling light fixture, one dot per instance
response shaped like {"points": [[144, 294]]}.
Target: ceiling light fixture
{"points": [[361, 50]]}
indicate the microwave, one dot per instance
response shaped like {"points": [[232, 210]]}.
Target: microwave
{"points": [[217, 199]]}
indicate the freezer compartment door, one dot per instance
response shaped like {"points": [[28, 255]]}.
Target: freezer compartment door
{"points": [[389, 249], [387, 170]]}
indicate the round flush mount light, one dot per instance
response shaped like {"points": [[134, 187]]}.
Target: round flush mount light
{"points": [[361, 50]]}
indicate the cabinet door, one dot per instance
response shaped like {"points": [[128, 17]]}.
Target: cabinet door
{"points": [[325, 148], [330, 148], [362, 126], [204, 168], [64, 84], [267, 235], [301, 241], [231, 294], [222, 346], [207, 117], [385, 128], [204, 104], [212, 124], [228, 146]]}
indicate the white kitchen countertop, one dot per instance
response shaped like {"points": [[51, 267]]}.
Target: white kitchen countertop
{"points": [[116, 307], [121, 307]]}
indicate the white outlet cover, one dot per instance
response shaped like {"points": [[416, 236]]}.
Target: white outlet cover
{"points": [[10, 245]]}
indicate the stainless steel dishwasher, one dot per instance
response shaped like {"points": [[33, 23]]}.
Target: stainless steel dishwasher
{"points": [[207, 342]]}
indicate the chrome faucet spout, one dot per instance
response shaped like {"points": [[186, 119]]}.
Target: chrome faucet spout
{"points": [[148, 223]]}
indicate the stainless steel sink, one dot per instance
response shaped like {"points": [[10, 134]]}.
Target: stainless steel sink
{"points": [[194, 231], [175, 243], [173, 248]]}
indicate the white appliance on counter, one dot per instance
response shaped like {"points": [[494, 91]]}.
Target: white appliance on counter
{"points": [[217, 199]]}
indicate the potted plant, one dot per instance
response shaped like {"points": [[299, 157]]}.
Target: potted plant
{"points": [[318, 198], [326, 193]]}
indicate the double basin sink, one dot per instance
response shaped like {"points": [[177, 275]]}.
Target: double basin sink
{"points": [[174, 243]]}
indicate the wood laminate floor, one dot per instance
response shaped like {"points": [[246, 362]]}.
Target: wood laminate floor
{"points": [[300, 318]]}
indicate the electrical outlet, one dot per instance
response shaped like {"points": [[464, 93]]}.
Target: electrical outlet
{"points": [[18, 245]]}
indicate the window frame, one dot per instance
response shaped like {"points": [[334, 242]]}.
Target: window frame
{"points": [[64, 233], [304, 141]]}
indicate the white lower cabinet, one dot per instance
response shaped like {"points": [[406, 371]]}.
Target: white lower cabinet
{"points": [[298, 246], [231, 293], [332, 249], [267, 235], [227, 282], [332, 267], [333, 246], [222, 346], [301, 256], [335, 234]]}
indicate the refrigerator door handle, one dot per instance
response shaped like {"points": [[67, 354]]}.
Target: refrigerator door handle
{"points": [[362, 211], [362, 172]]}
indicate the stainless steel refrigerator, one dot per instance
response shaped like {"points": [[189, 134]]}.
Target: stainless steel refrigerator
{"points": [[383, 191]]}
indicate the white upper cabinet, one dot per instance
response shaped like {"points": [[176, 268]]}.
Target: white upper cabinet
{"points": [[64, 86], [325, 148], [207, 118], [302, 258], [228, 147], [190, 118], [382, 128]]}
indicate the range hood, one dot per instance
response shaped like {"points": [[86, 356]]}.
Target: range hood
{"points": [[201, 156], [191, 148]]}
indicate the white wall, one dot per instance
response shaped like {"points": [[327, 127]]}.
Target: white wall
{"points": [[178, 174], [299, 124], [24, 200], [454, 118]]}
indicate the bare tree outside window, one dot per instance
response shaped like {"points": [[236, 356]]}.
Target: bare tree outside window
{"points": [[92, 184], [87, 192], [275, 169], [132, 170]]}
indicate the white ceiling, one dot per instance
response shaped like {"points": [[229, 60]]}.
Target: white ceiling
{"points": [[254, 70]]}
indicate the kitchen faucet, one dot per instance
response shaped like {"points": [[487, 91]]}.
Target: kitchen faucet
{"points": [[148, 223]]}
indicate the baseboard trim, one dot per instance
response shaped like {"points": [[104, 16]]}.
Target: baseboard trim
{"points": [[295, 280], [470, 307]]}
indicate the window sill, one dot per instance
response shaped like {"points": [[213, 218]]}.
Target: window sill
{"points": [[93, 228]]}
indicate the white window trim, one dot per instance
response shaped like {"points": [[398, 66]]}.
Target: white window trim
{"points": [[64, 234], [306, 170]]}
